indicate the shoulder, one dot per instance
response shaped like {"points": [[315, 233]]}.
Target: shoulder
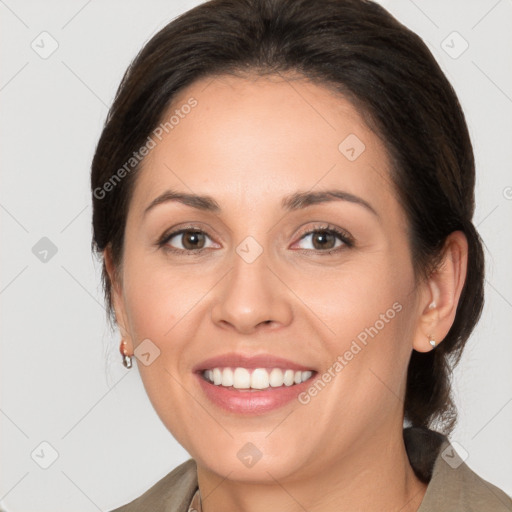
{"points": [[455, 487], [170, 494]]}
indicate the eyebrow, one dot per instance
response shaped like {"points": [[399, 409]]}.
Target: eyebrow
{"points": [[301, 200], [293, 202]]}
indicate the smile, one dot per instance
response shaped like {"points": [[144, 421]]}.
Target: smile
{"points": [[255, 378]]}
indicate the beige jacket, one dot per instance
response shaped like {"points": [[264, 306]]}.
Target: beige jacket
{"points": [[452, 485]]}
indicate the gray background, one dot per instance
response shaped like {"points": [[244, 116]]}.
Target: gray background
{"points": [[62, 381]]}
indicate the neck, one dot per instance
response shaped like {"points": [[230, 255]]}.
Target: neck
{"points": [[376, 475]]}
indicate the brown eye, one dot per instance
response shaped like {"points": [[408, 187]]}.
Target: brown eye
{"points": [[323, 240], [191, 240], [327, 240]]}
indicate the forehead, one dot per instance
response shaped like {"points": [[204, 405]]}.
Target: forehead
{"points": [[255, 139]]}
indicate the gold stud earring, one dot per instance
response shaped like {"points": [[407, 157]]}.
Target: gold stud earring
{"points": [[127, 360]]}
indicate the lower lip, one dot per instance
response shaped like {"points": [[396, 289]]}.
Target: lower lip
{"points": [[249, 401]]}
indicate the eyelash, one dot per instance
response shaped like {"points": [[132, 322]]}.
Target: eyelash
{"points": [[345, 237]]}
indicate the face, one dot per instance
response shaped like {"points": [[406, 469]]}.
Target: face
{"points": [[261, 268]]}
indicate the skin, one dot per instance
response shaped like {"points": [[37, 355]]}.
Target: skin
{"points": [[248, 143]]}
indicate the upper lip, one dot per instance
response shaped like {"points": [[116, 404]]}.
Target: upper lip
{"points": [[235, 360]]}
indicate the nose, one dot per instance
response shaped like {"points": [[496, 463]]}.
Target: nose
{"points": [[252, 296]]}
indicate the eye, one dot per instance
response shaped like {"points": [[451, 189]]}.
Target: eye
{"points": [[187, 240], [324, 239], [327, 239]]}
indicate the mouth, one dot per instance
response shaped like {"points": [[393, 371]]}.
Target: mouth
{"points": [[241, 378], [252, 384]]}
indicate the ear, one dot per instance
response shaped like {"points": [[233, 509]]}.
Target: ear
{"points": [[441, 293], [118, 303]]}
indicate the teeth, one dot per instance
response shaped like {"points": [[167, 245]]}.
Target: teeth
{"points": [[227, 377], [288, 377], [276, 378], [217, 376], [259, 378], [241, 378], [306, 375]]}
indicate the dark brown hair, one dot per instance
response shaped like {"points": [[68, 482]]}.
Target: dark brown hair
{"points": [[352, 46]]}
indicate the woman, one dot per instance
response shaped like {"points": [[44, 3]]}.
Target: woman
{"points": [[283, 198]]}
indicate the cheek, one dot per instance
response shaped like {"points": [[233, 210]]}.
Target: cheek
{"points": [[157, 297], [361, 296], [371, 314]]}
